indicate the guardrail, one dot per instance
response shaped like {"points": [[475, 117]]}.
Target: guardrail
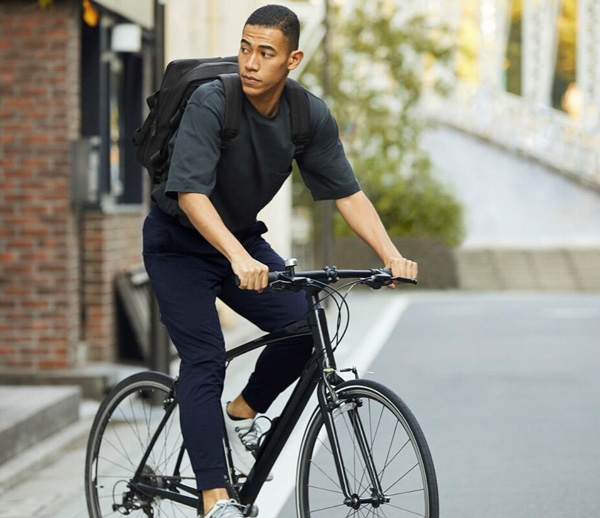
{"points": [[539, 132]]}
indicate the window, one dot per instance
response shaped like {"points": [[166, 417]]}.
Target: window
{"points": [[111, 107]]}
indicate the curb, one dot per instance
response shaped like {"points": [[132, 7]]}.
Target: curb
{"points": [[43, 453]]}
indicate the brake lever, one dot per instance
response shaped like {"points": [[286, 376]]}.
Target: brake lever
{"points": [[289, 285], [404, 280], [378, 280]]}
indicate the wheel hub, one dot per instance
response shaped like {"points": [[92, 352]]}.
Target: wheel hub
{"points": [[376, 500]]}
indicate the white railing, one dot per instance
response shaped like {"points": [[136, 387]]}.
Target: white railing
{"points": [[539, 132]]}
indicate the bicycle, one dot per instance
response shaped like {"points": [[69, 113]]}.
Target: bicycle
{"points": [[363, 451]]}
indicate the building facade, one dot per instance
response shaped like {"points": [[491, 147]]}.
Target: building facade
{"points": [[73, 76]]}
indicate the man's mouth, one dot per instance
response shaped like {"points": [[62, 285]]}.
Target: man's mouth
{"points": [[251, 80]]}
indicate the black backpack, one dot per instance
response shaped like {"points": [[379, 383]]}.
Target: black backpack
{"points": [[180, 80]]}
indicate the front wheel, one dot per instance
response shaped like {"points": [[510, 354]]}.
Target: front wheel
{"points": [[405, 477]]}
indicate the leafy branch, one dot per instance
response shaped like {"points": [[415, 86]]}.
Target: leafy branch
{"points": [[378, 64]]}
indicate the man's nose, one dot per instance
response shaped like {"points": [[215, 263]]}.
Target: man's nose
{"points": [[251, 62]]}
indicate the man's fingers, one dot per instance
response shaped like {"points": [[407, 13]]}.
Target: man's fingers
{"points": [[402, 267], [255, 278], [412, 270]]}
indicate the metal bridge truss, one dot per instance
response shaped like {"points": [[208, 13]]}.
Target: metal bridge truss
{"points": [[528, 124]]}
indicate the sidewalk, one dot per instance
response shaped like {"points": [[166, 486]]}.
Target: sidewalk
{"points": [[51, 474]]}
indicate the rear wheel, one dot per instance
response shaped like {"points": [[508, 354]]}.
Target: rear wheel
{"points": [[396, 444], [124, 430]]}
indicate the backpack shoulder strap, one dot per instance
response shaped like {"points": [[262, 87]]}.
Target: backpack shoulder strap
{"points": [[300, 115], [299, 108], [233, 107]]}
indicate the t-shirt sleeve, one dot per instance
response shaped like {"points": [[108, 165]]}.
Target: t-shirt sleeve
{"points": [[323, 164], [197, 144]]}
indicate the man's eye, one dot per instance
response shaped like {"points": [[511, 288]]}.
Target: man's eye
{"points": [[267, 55]]}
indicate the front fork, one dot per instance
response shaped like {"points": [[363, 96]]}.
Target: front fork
{"points": [[330, 403]]}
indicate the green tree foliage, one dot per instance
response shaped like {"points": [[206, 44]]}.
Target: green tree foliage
{"points": [[379, 61], [514, 49]]}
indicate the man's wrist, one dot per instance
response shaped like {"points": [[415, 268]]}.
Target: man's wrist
{"points": [[392, 258]]}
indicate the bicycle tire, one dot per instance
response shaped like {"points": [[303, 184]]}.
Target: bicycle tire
{"points": [[398, 448], [120, 435]]}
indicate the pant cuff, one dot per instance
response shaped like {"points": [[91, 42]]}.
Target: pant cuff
{"points": [[210, 479]]}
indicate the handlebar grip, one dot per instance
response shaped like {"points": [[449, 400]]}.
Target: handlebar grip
{"points": [[405, 280], [273, 276]]}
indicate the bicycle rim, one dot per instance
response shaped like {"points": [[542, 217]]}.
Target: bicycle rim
{"points": [[122, 433], [399, 451]]}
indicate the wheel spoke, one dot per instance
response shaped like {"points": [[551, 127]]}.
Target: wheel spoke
{"points": [[401, 478], [406, 510], [330, 478], [395, 455]]}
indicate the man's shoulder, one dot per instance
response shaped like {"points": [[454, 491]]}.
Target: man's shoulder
{"points": [[318, 107], [210, 94], [320, 114]]}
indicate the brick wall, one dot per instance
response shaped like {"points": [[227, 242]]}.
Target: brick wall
{"points": [[112, 244], [39, 116]]}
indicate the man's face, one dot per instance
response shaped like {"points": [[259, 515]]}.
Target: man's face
{"points": [[265, 60]]}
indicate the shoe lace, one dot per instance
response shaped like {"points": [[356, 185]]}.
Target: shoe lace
{"points": [[251, 435], [230, 504]]}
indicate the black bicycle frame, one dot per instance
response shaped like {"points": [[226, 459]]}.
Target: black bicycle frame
{"points": [[283, 427], [320, 370]]}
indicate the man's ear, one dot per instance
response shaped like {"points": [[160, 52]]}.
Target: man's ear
{"points": [[295, 58]]}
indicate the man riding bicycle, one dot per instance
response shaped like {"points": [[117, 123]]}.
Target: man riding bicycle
{"points": [[202, 233]]}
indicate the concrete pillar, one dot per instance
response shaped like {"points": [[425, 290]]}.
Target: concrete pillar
{"points": [[494, 24], [588, 54], [539, 49]]}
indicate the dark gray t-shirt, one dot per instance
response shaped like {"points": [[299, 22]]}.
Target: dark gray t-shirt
{"points": [[242, 179]]}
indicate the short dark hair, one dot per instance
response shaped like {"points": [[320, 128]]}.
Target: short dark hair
{"points": [[278, 17]]}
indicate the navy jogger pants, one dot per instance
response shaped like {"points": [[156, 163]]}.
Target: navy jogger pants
{"points": [[187, 274]]}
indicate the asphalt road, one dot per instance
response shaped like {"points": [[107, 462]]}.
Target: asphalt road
{"points": [[511, 201], [506, 388]]}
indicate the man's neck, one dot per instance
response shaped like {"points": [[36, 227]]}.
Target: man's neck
{"points": [[267, 105]]}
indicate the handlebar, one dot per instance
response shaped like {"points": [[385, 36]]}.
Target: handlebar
{"points": [[374, 277], [290, 279]]}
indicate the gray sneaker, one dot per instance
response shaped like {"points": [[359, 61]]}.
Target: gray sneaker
{"points": [[226, 509], [244, 436]]}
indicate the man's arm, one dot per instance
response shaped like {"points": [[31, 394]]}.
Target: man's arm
{"points": [[201, 212], [363, 219]]}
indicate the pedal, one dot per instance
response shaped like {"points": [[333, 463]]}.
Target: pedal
{"points": [[251, 511]]}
